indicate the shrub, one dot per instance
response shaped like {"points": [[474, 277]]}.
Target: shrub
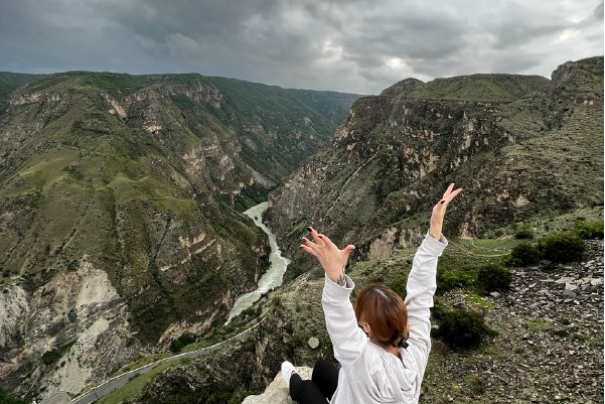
{"points": [[51, 357], [7, 398], [589, 230], [178, 344], [524, 233], [524, 254], [476, 383], [449, 280], [461, 329], [561, 247], [399, 287], [493, 278]]}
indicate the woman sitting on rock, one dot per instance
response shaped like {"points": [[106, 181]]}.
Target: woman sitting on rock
{"points": [[385, 362]]}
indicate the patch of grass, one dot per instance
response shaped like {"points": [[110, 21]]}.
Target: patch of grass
{"points": [[7, 398], [476, 383], [142, 362], [52, 357], [537, 325], [450, 280], [478, 301], [589, 230]]}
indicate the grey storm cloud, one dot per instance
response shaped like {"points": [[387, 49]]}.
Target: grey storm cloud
{"points": [[358, 46]]}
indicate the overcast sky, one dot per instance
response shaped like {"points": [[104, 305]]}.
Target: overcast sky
{"points": [[359, 46]]}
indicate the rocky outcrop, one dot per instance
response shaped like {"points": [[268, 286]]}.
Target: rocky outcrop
{"points": [[375, 183], [77, 324], [278, 392]]}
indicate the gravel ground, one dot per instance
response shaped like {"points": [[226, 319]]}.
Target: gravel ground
{"points": [[550, 347]]}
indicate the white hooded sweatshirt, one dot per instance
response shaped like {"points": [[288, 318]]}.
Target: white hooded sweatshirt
{"points": [[369, 373]]}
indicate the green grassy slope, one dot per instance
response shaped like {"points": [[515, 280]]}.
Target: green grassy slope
{"points": [[476, 87], [85, 174]]}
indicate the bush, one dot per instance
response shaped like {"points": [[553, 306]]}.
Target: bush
{"points": [[524, 254], [461, 329], [178, 344], [589, 230], [7, 398], [52, 357], [449, 280], [561, 247], [524, 233], [493, 278], [399, 286]]}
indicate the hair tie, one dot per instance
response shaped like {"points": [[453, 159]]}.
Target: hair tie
{"points": [[402, 342]]}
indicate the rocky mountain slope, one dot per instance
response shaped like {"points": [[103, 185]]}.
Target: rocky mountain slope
{"points": [[549, 347], [119, 222], [9, 82], [520, 146]]}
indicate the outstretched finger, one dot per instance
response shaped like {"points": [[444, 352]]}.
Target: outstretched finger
{"points": [[455, 193], [311, 244], [452, 195], [309, 250], [316, 236], [448, 190], [327, 242]]}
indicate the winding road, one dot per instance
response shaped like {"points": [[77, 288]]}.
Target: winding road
{"points": [[119, 381]]}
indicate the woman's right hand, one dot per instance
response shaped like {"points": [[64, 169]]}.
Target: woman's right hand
{"points": [[439, 211], [332, 259]]}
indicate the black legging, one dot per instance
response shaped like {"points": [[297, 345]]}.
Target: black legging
{"points": [[321, 386]]}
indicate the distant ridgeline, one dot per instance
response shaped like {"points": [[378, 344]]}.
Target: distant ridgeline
{"points": [[520, 146], [119, 210]]}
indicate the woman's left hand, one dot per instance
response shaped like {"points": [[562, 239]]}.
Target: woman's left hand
{"points": [[332, 259], [439, 211]]}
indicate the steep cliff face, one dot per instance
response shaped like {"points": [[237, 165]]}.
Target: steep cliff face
{"points": [[119, 228], [376, 182], [9, 82]]}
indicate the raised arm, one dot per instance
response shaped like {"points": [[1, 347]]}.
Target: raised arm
{"points": [[422, 281], [347, 339]]}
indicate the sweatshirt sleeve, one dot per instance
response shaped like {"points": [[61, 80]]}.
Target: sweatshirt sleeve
{"points": [[422, 284], [348, 339]]}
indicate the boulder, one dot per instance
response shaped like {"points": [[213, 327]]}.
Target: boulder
{"points": [[277, 392]]}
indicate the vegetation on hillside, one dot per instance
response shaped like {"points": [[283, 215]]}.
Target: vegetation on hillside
{"points": [[9, 82]]}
